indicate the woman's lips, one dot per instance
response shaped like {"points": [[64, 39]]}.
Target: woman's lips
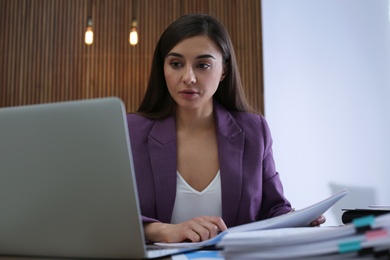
{"points": [[188, 93]]}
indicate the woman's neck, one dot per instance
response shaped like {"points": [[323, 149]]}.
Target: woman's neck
{"points": [[194, 119]]}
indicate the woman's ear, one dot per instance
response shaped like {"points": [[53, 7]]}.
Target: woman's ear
{"points": [[223, 75]]}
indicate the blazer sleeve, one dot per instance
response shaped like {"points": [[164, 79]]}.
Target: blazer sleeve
{"points": [[139, 128], [274, 202]]}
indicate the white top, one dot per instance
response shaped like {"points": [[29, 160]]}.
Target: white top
{"points": [[190, 203]]}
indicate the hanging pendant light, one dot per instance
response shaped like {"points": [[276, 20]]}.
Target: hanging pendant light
{"points": [[88, 31], [133, 38]]}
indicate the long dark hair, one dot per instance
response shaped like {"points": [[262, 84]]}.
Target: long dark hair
{"points": [[157, 102]]}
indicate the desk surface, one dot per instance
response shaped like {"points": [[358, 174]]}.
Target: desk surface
{"points": [[48, 258]]}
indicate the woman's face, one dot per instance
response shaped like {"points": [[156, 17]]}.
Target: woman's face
{"points": [[193, 70]]}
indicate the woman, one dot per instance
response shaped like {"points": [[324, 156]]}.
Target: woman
{"points": [[202, 159]]}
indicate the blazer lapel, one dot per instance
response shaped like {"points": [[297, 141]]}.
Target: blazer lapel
{"points": [[230, 138], [162, 148]]}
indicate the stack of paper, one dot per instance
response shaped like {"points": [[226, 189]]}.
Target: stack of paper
{"points": [[367, 235]]}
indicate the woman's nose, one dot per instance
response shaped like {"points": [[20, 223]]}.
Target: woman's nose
{"points": [[189, 76]]}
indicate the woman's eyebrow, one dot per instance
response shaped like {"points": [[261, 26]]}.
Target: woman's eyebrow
{"points": [[203, 56], [175, 54]]}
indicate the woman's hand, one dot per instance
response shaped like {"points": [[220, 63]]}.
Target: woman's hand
{"points": [[318, 221], [194, 230]]}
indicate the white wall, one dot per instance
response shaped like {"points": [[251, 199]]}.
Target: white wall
{"points": [[327, 98]]}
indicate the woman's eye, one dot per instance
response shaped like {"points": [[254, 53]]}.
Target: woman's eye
{"points": [[175, 64], [204, 65]]}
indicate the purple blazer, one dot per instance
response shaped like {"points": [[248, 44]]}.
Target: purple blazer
{"points": [[251, 188]]}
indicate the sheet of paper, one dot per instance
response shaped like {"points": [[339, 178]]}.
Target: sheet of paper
{"points": [[297, 218], [384, 207]]}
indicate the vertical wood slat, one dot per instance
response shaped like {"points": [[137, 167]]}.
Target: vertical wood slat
{"points": [[44, 57]]}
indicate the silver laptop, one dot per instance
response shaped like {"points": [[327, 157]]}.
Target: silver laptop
{"points": [[67, 183]]}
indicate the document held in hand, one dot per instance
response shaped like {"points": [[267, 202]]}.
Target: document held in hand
{"points": [[298, 218]]}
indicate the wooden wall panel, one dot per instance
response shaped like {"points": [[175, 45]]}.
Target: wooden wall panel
{"points": [[44, 57]]}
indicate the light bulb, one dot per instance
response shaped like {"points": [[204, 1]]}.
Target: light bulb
{"points": [[89, 32], [133, 39], [89, 36]]}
